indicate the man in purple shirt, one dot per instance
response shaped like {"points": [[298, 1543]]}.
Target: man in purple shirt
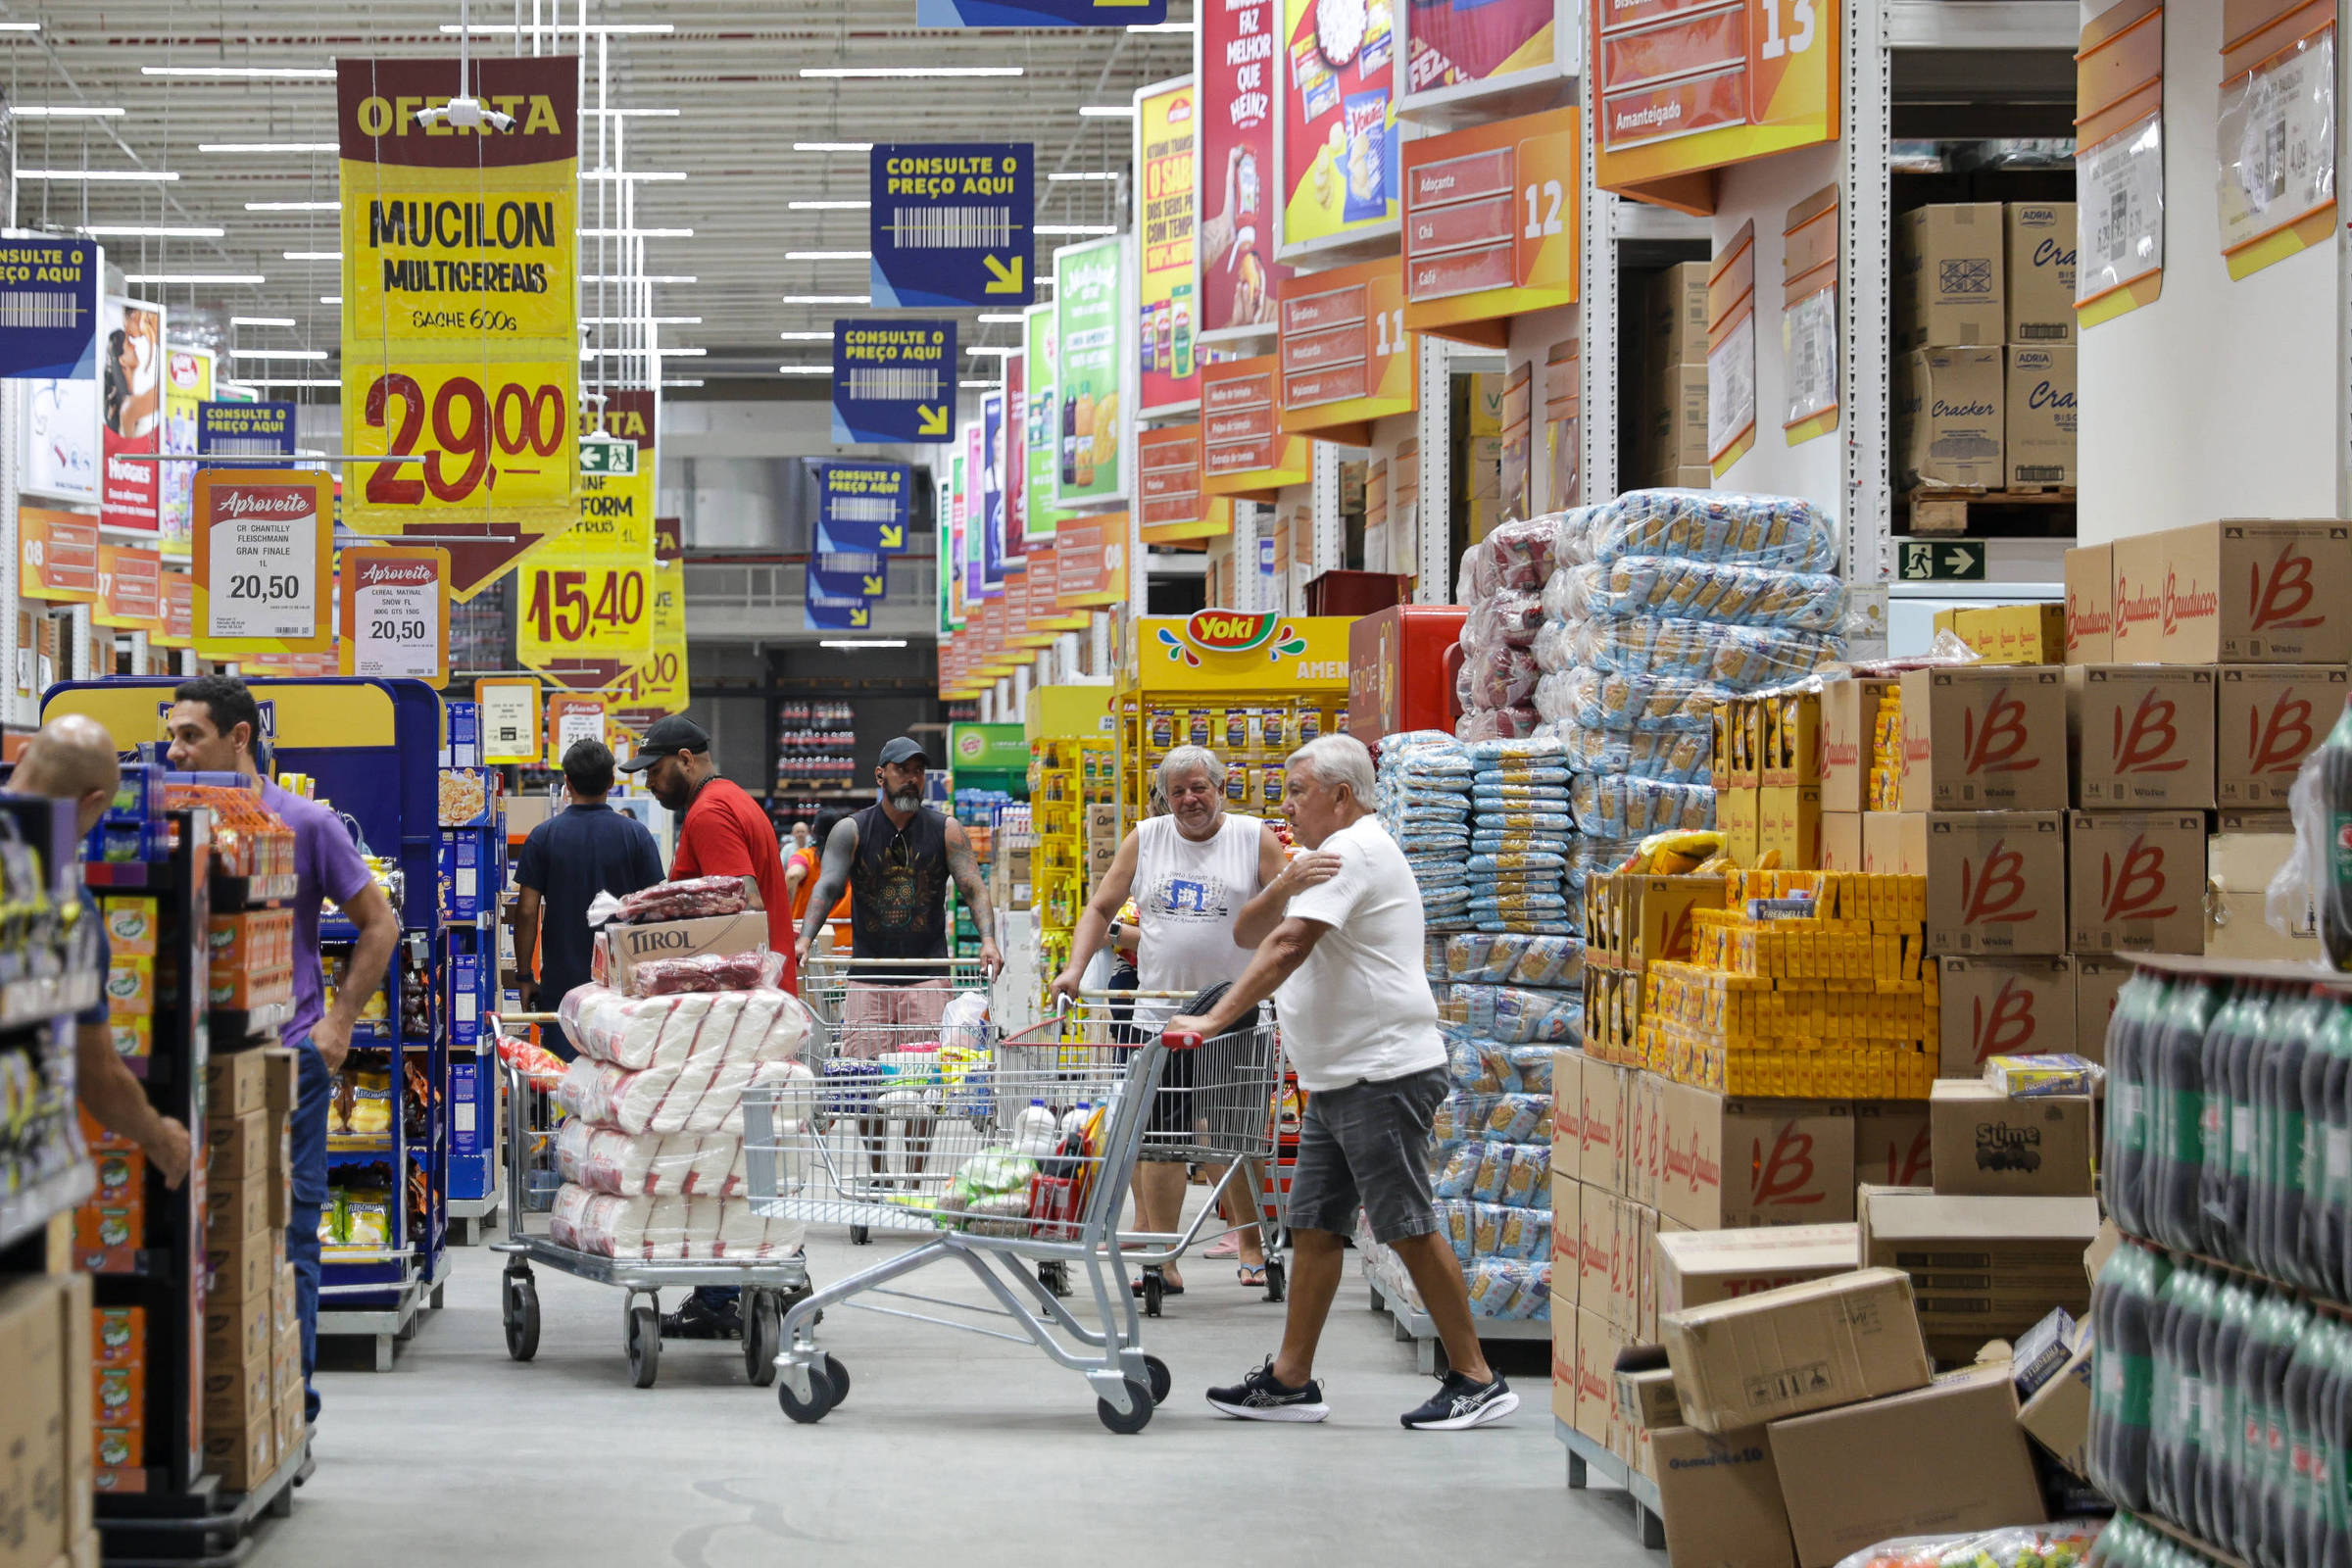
{"points": [[215, 725]]}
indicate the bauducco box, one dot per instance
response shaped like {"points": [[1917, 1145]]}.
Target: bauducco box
{"points": [[2141, 735], [1739, 1163], [2140, 561], [1799, 1349], [1985, 738], [1892, 1143], [1849, 716], [1698, 1267], [2258, 593], [2091, 605], [1996, 883], [2002, 1007], [2267, 720], [2138, 882]]}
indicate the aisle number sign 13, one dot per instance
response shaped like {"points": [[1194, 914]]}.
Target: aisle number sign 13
{"points": [[583, 606], [264, 559], [395, 619]]}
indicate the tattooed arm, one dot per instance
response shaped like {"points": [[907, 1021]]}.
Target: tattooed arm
{"points": [[964, 867]]}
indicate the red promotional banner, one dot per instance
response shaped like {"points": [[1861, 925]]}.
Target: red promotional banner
{"points": [[1235, 175], [1454, 42]]}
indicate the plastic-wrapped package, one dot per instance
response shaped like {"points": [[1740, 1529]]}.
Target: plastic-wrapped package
{"points": [[1781, 532], [1672, 756], [1612, 806], [693, 899], [1499, 722], [639, 1032], [1738, 658], [1595, 857], [1499, 756], [1610, 700], [734, 971], [1526, 822], [2064, 1544], [1515, 555], [1483, 864], [1514, 1016], [1521, 843], [1511, 616], [1497, 678], [1550, 961], [1533, 1064], [1697, 590]]}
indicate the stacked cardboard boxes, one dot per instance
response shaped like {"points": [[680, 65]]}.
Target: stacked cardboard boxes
{"points": [[253, 1413], [1670, 430], [46, 1516]]}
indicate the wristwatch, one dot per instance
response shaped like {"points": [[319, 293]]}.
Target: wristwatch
{"points": [[1114, 933]]}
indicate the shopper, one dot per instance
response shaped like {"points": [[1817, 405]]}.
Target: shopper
{"points": [[1189, 872], [73, 758], [800, 836], [1340, 941], [215, 726], [584, 850], [895, 857]]}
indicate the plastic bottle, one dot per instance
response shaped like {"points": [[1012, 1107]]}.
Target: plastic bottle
{"points": [[2177, 1140], [2333, 759], [2129, 1101], [2326, 1171], [2223, 1199], [2123, 1369], [1074, 1119], [2172, 1399], [2332, 1474], [2262, 1375], [2224, 1414], [2280, 1128], [2306, 1377], [1034, 1129]]}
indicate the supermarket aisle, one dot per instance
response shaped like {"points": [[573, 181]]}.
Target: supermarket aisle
{"points": [[949, 1445]]}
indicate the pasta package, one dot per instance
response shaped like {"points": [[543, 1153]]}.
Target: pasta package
{"points": [[1672, 756], [1738, 657], [1613, 699], [1697, 590]]}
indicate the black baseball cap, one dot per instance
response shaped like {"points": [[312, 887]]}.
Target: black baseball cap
{"points": [[668, 737], [901, 749]]}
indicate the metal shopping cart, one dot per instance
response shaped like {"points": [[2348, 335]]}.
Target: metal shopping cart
{"points": [[770, 1286], [998, 1169]]}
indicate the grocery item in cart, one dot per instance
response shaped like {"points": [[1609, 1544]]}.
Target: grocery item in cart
{"points": [[732, 971], [640, 1032], [669, 1225], [693, 898]]}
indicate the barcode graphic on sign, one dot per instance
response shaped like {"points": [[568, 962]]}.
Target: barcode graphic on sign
{"points": [[952, 229], [893, 385], [863, 508], [2119, 219], [39, 308], [245, 446], [2274, 159]]}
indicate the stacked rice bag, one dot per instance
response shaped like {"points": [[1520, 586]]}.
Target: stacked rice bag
{"points": [[1520, 831], [1501, 581], [1422, 793]]}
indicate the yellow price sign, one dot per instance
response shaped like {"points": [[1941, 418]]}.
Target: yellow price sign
{"points": [[579, 608]]}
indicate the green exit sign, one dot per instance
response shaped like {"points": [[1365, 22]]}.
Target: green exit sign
{"points": [[613, 459], [1941, 560]]}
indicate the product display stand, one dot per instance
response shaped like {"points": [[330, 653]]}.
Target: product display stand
{"points": [[40, 1028]]}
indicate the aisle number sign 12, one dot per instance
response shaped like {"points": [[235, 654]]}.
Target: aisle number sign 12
{"points": [[1491, 226], [264, 558], [395, 619]]}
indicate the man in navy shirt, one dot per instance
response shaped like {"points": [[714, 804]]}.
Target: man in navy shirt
{"points": [[585, 850]]}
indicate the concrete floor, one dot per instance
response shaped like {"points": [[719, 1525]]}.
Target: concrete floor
{"points": [[974, 1450]]}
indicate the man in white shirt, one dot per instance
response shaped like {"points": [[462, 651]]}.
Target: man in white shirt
{"points": [[1339, 938]]}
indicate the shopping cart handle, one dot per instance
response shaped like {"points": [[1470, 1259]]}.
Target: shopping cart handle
{"points": [[1180, 1039]]}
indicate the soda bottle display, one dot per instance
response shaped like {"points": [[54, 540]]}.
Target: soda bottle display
{"points": [[2326, 1170], [2224, 1481], [2222, 1198], [2173, 1398], [2123, 1372], [2334, 761], [2332, 1453], [2125, 1155], [2278, 1133], [2177, 1123]]}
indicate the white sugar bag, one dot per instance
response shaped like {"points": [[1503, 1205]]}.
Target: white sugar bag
{"points": [[625, 1030], [741, 1233], [784, 1236], [564, 1220], [680, 1025], [704, 1172], [588, 1088], [750, 1042], [698, 1227], [633, 1098], [571, 1151], [723, 1095], [665, 1232], [792, 1081], [705, 1056]]}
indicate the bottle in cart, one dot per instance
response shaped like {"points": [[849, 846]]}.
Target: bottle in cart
{"points": [[1034, 1130]]}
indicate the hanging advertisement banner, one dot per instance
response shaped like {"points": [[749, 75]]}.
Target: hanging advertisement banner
{"points": [[1040, 12], [1467, 44], [1237, 64], [1732, 352], [893, 381], [951, 224], [850, 574], [60, 450], [987, 460], [1684, 92], [244, 435], [2118, 161], [395, 612], [131, 371], [1089, 319], [187, 385], [1809, 316], [976, 586], [1346, 358], [1338, 130], [2276, 133], [863, 506], [1491, 226], [507, 710], [460, 307], [958, 572], [131, 588], [659, 685], [823, 612], [177, 626], [263, 562], [1041, 425], [1167, 124], [57, 555], [1243, 452], [49, 309]]}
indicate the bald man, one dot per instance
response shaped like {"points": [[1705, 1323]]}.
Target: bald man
{"points": [[73, 758]]}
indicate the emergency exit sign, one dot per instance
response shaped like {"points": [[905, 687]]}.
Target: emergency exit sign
{"points": [[1941, 560]]}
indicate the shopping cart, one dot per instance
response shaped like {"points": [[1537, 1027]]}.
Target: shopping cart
{"points": [[999, 1172], [770, 1286]]}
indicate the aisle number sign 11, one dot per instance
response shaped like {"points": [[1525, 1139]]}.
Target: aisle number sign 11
{"points": [[1491, 226], [395, 619], [264, 559]]}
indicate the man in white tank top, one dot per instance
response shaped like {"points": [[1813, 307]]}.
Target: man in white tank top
{"points": [[1189, 872]]}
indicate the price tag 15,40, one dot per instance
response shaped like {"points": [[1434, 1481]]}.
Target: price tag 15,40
{"points": [[396, 613]]}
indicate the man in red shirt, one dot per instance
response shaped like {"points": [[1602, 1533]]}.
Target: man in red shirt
{"points": [[721, 830]]}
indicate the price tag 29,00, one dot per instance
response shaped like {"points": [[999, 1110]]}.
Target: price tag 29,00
{"points": [[396, 613]]}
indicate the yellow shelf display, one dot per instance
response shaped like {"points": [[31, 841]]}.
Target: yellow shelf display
{"points": [[1072, 765]]}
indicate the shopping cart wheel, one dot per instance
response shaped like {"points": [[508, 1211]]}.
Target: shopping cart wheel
{"points": [[859, 1236], [519, 1310], [1135, 1420], [1154, 1288], [837, 1378], [1162, 1380], [644, 1346], [1055, 1275], [762, 1334], [1274, 1279], [820, 1396]]}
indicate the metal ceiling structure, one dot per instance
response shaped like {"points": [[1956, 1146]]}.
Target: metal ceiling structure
{"points": [[719, 98]]}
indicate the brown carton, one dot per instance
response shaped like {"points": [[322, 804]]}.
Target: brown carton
{"points": [[281, 1078], [1985, 738], [1948, 278], [1892, 1143], [236, 1083], [1736, 1163], [237, 1395], [2091, 605], [2257, 593], [1944, 1459], [1793, 740], [1739, 813], [2038, 443], [238, 1332], [1720, 1499], [78, 1340], [2138, 882], [242, 1457], [1598, 1341], [2003, 1007], [1598, 1217], [1794, 1350], [1601, 1157], [2097, 980], [2140, 564], [234, 1209], [2141, 735], [621, 949], [1563, 1357], [1849, 714], [2058, 1415], [1841, 840], [1987, 1144], [1996, 883], [238, 1148], [1789, 824], [1949, 418], [1567, 1239], [36, 1467], [2014, 634], [2240, 858], [1674, 323], [2267, 718], [1696, 1268], [1983, 1267], [1644, 1150], [2038, 272], [1567, 1121], [1895, 842], [1645, 1399], [245, 1269], [1676, 432]]}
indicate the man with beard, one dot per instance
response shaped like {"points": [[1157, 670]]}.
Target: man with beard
{"points": [[895, 857]]}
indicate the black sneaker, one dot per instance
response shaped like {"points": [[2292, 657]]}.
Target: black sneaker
{"points": [[1460, 1404], [699, 1319], [1261, 1397]]}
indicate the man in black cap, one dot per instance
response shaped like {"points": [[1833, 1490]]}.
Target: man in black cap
{"points": [[568, 861], [896, 857]]}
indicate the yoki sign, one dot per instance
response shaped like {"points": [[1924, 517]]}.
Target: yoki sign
{"points": [[1239, 650], [1225, 632]]}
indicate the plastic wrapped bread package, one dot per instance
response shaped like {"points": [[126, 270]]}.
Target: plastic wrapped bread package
{"points": [[1697, 590], [1780, 531], [1607, 699], [1741, 658]]}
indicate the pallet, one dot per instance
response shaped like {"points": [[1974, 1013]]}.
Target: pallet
{"points": [[2030, 511], [1586, 1457]]}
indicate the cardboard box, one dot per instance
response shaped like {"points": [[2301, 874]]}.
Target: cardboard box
{"points": [[1596, 1250], [1638, 1278], [1644, 1108], [281, 1077], [1990, 1145], [2268, 717], [77, 1334], [1646, 1398], [243, 1458], [1950, 276], [1674, 328], [2138, 882], [2257, 593], [1841, 840], [1849, 716], [2038, 443], [2038, 272], [2142, 736], [238, 1148], [246, 1268], [1944, 1459], [238, 1332], [1983, 1267], [2091, 605], [1721, 1499], [1598, 1342], [2240, 858], [2013, 634], [620, 948], [1789, 823], [1892, 1146], [2003, 1007], [1698, 1268], [34, 1477], [1950, 418], [2096, 982], [292, 1424], [1675, 424], [2058, 1415], [1563, 1359], [1739, 813], [1793, 740], [1895, 842], [238, 1395], [236, 1084], [1996, 883], [236, 1210], [1735, 1162], [1794, 1350], [1601, 1159], [2137, 599], [1985, 738], [1567, 1240]]}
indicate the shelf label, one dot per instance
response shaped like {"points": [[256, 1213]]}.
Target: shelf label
{"points": [[1346, 356], [1243, 449], [263, 560], [395, 619], [570, 719]]}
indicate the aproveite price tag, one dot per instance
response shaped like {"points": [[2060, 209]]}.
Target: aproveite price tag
{"points": [[396, 613], [263, 557]]}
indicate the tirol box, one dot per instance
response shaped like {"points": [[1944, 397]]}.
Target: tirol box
{"points": [[1892, 1143], [2141, 735], [1695, 1268], [2002, 1007], [2091, 605], [1794, 1350], [1990, 1145], [1733, 1162], [621, 949], [1944, 1459], [2138, 882], [2097, 981], [1721, 1499], [1948, 284], [1849, 716], [1996, 883], [1950, 418], [2268, 717], [2257, 593], [1985, 738]]}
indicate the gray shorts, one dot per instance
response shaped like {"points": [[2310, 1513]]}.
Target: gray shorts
{"points": [[1367, 1145]]}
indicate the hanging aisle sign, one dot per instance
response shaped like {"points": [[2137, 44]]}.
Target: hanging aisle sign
{"points": [[584, 605], [571, 720], [1809, 316], [660, 686], [986, 459], [1041, 426], [616, 503], [1167, 122], [187, 386], [395, 612], [893, 381], [2118, 161], [1090, 322], [244, 435], [863, 506], [264, 562], [951, 224], [57, 555], [1346, 358], [177, 626], [1732, 352], [49, 309], [131, 371], [1167, 464], [131, 588], [1237, 61], [1040, 12], [2277, 132], [460, 307], [1243, 450], [1491, 226]]}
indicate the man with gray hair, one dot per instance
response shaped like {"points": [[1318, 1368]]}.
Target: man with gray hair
{"points": [[1341, 957]]}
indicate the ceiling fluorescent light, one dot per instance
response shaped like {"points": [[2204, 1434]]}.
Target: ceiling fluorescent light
{"points": [[1002, 317], [330, 299], [313, 255], [1107, 110], [194, 278], [266, 147], [667, 353], [693, 382], [861, 642], [149, 232], [293, 207], [1077, 228], [804, 369], [990, 351], [19, 27], [274, 380], [860, 73], [1096, 173], [828, 299], [261, 320], [617, 278], [980, 386], [828, 256], [630, 114], [96, 175], [832, 146], [829, 206], [806, 337], [241, 72], [277, 354], [1159, 27], [64, 111], [636, 233]]}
